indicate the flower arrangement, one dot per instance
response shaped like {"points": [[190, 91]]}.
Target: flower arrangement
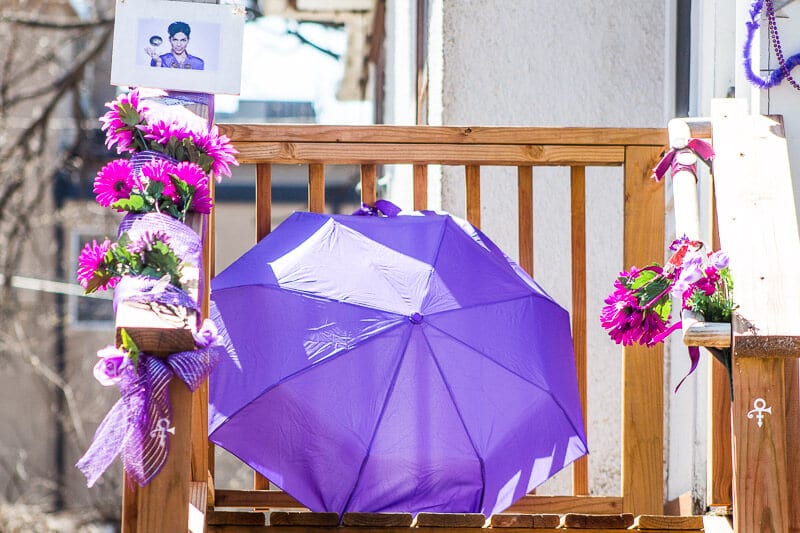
{"points": [[172, 161], [639, 309], [173, 158], [101, 266]]}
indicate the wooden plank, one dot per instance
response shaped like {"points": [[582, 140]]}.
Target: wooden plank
{"points": [[447, 134], [791, 371], [420, 187], [442, 154], [284, 518], [567, 504], [236, 518], [198, 493], [527, 521], [760, 483], [525, 217], [649, 522], [466, 520], [162, 505], [368, 184], [263, 200], [255, 498], [758, 229], [473, 184], [586, 521], [642, 373], [377, 519], [316, 188], [720, 456], [580, 469]]}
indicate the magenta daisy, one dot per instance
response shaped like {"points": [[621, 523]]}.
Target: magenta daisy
{"points": [[162, 132], [158, 170], [120, 123], [92, 271], [146, 241], [219, 149], [113, 182], [193, 175]]}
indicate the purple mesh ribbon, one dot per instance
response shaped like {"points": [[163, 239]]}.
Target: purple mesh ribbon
{"points": [[138, 426], [186, 244], [699, 147], [381, 206]]}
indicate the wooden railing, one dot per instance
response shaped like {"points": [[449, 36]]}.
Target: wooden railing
{"points": [[473, 149]]}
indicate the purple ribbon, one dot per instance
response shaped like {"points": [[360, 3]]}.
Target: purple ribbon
{"points": [[671, 159], [138, 426], [384, 207]]}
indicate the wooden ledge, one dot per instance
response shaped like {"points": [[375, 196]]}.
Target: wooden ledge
{"points": [[303, 518], [450, 520], [597, 521], [532, 521], [658, 522], [377, 519]]}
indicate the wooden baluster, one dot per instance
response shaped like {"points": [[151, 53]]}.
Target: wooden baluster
{"points": [[580, 469], [720, 452], [263, 200], [642, 371], [473, 178], [263, 228], [420, 187], [368, 184], [316, 188], [525, 217]]}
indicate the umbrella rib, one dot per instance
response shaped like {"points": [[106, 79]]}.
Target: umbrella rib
{"points": [[483, 304], [402, 344], [510, 371], [461, 418]]}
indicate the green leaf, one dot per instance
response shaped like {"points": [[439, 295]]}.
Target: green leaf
{"points": [[130, 346], [134, 204], [205, 162]]}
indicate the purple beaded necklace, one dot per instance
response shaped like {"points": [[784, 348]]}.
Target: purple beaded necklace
{"points": [[786, 65]]}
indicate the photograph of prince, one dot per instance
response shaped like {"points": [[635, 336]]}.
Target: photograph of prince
{"points": [[178, 57]]}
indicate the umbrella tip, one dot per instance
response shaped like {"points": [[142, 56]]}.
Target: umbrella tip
{"points": [[416, 318]]}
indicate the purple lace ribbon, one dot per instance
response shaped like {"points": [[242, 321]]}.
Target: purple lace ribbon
{"points": [[186, 244], [671, 159], [138, 426], [381, 206]]}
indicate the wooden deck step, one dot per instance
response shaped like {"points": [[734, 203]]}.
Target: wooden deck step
{"points": [[306, 521]]}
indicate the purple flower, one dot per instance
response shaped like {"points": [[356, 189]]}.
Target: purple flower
{"points": [[207, 336], [120, 123], [146, 241], [113, 182], [690, 273], [113, 362], [91, 266], [719, 259], [193, 175]]}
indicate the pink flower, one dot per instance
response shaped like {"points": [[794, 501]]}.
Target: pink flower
{"points": [[193, 175], [626, 321], [158, 170], [91, 267], [120, 123], [162, 132], [113, 182], [219, 149], [113, 362]]}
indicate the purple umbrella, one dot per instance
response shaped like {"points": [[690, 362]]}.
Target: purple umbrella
{"points": [[400, 363]]}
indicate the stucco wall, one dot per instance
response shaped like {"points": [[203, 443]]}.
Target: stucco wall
{"points": [[552, 63]]}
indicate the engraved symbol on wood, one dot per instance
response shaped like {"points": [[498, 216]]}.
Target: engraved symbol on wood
{"points": [[759, 408]]}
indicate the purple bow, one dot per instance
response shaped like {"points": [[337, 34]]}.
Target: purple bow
{"points": [[138, 425], [699, 147], [381, 206]]}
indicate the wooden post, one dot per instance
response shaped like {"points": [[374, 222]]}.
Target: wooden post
{"points": [[758, 229], [643, 368]]}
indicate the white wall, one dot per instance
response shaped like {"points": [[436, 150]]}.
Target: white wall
{"points": [[554, 63]]}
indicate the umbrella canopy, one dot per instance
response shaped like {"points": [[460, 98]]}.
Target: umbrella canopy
{"points": [[384, 364]]}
